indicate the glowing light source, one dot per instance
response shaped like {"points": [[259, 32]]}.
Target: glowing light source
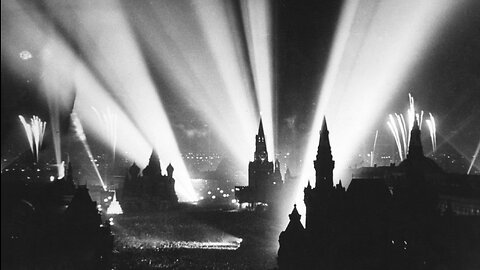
{"points": [[83, 139], [35, 130], [372, 154], [114, 208], [474, 158], [25, 55], [404, 128], [433, 131]]}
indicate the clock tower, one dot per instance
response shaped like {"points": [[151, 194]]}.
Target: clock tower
{"points": [[260, 170]]}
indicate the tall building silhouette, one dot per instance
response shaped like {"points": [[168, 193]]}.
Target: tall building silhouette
{"points": [[260, 169], [52, 225], [150, 190], [264, 178], [325, 203], [389, 220]]}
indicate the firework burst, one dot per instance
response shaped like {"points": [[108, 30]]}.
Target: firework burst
{"points": [[401, 128], [35, 131], [433, 131]]}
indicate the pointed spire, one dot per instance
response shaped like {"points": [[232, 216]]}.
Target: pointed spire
{"points": [[261, 153], [134, 170], [339, 186], [294, 228], [170, 170], [415, 124], [134, 165], [324, 163], [324, 125], [70, 172], [260, 129], [324, 139], [415, 148], [154, 162], [294, 215], [154, 156]]}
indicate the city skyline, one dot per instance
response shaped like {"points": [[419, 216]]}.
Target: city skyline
{"points": [[444, 73]]}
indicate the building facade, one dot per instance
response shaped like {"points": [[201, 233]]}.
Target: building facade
{"points": [[149, 190]]}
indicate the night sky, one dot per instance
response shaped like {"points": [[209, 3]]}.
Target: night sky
{"points": [[446, 82]]}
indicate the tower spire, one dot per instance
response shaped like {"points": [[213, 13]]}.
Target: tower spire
{"points": [[260, 129], [415, 148], [324, 163], [324, 138], [260, 145], [153, 167]]}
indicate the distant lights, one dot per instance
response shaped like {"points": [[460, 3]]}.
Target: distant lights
{"points": [[52, 178], [25, 55]]}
